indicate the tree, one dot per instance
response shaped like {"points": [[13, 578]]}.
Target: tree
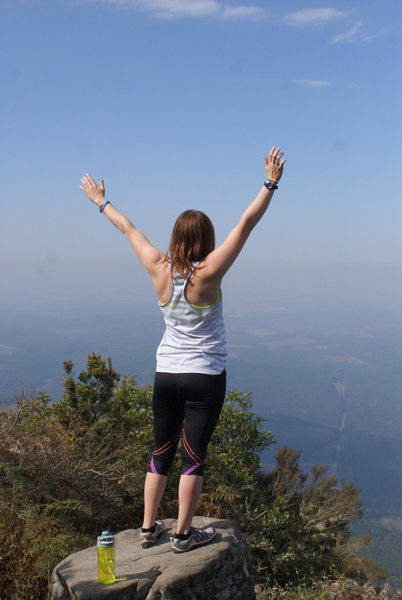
{"points": [[92, 395], [302, 533]]}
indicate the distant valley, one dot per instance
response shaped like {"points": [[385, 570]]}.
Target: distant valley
{"points": [[329, 385]]}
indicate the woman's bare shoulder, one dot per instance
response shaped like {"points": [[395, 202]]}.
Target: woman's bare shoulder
{"points": [[205, 271], [162, 280]]}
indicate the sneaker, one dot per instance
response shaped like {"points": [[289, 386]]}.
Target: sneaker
{"points": [[198, 537], [149, 538]]}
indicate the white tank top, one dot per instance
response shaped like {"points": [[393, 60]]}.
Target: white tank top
{"points": [[194, 340]]}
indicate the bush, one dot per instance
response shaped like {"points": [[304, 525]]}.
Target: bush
{"points": [[73, 468], [342, 589]]}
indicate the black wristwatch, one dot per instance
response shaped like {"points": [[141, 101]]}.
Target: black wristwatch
{"points": [[270, 185]]}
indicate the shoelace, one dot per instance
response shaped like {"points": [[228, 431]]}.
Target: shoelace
{"points": [[199, 535]]}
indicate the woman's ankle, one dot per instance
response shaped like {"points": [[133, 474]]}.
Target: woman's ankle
{"points": [[182, 536]]}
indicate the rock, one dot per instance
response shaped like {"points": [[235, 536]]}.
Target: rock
{"points": [[217, 571]]}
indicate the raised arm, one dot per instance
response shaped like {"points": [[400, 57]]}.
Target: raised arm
{"points": [[221, 259], [150, 256]]}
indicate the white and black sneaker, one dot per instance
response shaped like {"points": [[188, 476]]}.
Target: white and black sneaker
{"points": [[197, 537], [148, 538]]}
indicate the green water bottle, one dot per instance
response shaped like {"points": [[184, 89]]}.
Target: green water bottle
{"points": [[106, 558]]}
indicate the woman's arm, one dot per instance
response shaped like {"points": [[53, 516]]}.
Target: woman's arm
{"points": [[221, 259], [146, 252]]}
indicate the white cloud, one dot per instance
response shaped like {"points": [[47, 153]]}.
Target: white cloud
{"points": [[314, 16], [314, 83], [242, 12], [170, 9], [350, 35], [322, 83], [356, 34], [177, 8]]}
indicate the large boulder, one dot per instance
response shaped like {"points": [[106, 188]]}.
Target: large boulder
{"points": [[217, 571]]}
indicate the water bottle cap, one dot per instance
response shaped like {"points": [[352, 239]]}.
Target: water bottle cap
{"points": [[105, 540]]}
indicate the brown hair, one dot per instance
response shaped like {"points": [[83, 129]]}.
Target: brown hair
{"points": [[193, 238]]}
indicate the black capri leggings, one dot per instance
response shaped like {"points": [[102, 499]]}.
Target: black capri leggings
{"points": [[186, 406]]}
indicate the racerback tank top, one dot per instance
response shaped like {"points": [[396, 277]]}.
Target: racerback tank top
{"points": [[194, 339]]}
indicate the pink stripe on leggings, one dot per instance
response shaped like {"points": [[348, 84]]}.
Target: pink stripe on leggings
{"points": [[153, 468], [192, 468]]}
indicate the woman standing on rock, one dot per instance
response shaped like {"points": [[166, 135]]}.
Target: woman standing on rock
{"points": [[190, 380]]}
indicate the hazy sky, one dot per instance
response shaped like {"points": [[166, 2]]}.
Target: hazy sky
{"points": [[174, 103]]}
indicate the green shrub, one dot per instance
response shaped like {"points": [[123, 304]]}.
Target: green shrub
{"points": [[342, 589], [77, 466]]}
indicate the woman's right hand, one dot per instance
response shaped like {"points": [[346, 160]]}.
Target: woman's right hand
{"points": [[95, 192], [274, 165]]}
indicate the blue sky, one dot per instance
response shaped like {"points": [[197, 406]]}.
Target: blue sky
{"points": [[174, 103]]}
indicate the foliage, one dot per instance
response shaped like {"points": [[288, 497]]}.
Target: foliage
{"points": [[72, 468], [342, 589]]}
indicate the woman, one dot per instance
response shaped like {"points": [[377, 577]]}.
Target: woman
{"points": [[190, 380]]}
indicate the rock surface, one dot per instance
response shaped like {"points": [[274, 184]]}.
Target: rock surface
{"points": [[217, 571]]}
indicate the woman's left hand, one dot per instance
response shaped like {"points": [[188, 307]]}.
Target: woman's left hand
{"points": [[95, 192], [274, 164]]}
